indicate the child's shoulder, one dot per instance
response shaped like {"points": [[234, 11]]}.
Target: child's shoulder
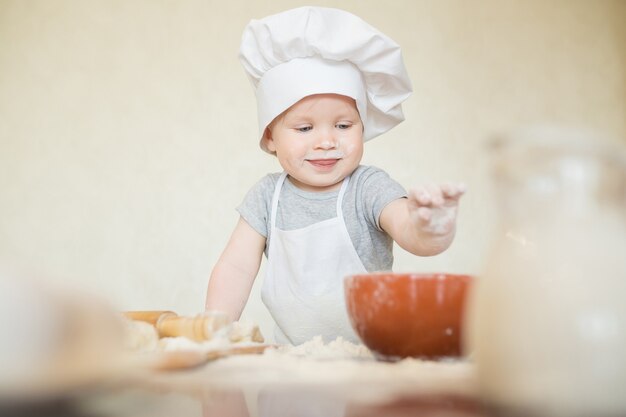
{"points": [[264, 187], [367, 169], [268, 181], [368, 172], [375, 181]]}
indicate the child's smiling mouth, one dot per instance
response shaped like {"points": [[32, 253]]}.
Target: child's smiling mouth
{"points": [[323, 164]]}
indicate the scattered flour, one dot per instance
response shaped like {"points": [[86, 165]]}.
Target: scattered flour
{"points": [[344, 368], [347, 368], [316, 349]]}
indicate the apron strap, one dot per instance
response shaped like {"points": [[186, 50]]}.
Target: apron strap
{"points": [[344, 187], [279, 185]]}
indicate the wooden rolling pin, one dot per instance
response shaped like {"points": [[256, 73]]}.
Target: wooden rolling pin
{"points": [[169, 324]]}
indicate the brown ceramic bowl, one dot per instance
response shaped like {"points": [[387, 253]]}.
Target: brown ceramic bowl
{"points": [[408, 315]]}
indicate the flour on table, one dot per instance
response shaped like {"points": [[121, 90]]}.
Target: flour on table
{"points": [[339, 366], [317, 349]]}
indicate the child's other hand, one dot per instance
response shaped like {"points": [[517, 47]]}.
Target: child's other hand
{"points": [[433, 208]]}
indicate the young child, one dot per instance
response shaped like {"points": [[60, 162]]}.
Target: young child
{"points": [[325, 82]]}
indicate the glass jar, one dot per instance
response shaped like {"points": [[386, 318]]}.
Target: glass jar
{"points": [[547, 318]]}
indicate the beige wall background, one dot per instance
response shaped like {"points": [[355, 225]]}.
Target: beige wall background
{"points": [[128, 128]]}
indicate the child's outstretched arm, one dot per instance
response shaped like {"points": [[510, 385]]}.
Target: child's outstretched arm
{"points": [[235, 271], [425, 222]]}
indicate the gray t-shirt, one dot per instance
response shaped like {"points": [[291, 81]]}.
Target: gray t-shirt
{"points": [[369, 191]]}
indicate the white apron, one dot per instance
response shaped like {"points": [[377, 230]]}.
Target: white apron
{"points": [[303, 288]]}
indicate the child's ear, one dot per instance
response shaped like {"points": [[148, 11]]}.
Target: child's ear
{"points": [[269, 140]]}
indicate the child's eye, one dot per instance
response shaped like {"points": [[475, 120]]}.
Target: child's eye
{"points": [[304, 128], [343, 125]]}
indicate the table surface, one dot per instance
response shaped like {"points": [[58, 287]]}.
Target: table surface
{"points": [[275, 385]]}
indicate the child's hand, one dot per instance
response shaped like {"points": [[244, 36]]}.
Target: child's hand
{"points": [[433, 208]]}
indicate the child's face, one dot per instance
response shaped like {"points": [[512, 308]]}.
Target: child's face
{"points": [[318, 141]]}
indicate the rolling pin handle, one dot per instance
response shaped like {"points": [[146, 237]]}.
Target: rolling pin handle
{"points": [[153, 317]]}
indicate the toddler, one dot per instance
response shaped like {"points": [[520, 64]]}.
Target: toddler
{"points": [[325, 83]]}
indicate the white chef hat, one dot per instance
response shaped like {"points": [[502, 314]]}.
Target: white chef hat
{"points": [[316, 50]]}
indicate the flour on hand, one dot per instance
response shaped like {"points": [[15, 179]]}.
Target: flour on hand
{"points": [[139, 336], [234, 334]]}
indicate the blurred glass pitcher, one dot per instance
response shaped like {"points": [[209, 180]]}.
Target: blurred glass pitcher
{"points": [[547, 319]]}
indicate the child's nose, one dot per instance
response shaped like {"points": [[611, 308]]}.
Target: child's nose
{"points": [[326, 140]]}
